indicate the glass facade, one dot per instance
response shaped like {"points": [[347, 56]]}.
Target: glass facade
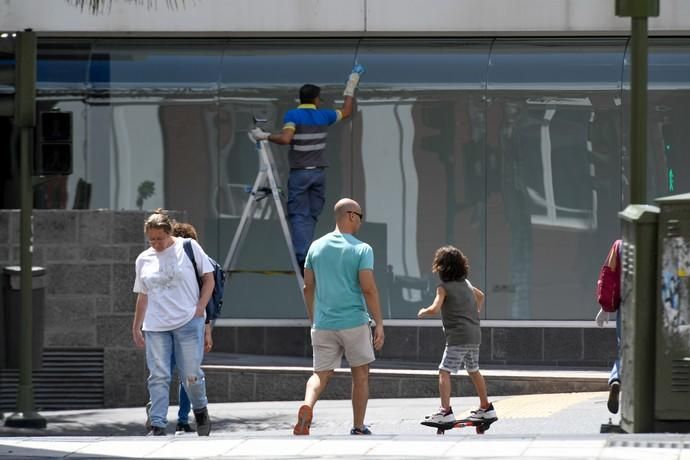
{"points": [[553, 139], [514, 150]]}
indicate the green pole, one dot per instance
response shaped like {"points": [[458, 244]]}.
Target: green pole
{"points": [[25, 120], [639, 11], [638, 115], [637, 341]]}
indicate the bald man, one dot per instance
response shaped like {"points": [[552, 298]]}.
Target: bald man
{"points": [[339, 287]]}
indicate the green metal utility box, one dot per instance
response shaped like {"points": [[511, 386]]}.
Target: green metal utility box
{"points": [[638, 316], [672, 387]]}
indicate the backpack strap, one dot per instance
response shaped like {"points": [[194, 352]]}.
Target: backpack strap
{"points": [[614, 256], [187, 244]]}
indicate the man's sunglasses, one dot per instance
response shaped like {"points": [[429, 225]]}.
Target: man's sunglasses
{"points": [[358, 214]]}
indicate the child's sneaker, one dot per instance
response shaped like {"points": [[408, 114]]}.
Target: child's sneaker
{"points": [[441, 416], [304, 415], [358, 432], [483, 414]]}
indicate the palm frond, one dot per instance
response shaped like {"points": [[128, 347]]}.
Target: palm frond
{"points": [[104, 6]]}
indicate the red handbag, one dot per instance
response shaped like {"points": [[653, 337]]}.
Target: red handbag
{"points": [[609, 282]]}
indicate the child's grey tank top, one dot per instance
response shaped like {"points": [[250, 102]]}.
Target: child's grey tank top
{"points": [[459, 314]]}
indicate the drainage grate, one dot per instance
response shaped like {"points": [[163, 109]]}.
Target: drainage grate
{"points": [[70, 378], [642, 443], [680, 376]]}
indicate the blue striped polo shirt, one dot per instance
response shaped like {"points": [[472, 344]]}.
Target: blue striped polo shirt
{"points": [[309, 142]]}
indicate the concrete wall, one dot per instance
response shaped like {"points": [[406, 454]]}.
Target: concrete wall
{"points": [[89, 259], [352, 17], [512, 346]]}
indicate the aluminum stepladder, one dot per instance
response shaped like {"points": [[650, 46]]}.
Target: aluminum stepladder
{"points": [[265, 184]]}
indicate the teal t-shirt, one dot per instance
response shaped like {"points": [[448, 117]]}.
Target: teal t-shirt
{"points": [[336, 259]]}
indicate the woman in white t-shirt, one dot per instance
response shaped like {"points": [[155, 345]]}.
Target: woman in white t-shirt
{"points": [[169, 319]]}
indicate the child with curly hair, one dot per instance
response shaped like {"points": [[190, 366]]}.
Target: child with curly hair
{"points": [[459, 304]]}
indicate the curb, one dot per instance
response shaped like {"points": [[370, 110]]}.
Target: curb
{"points": [[266, 383]]}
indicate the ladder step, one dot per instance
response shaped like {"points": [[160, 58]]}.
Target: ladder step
{"points": [[265, 185]]}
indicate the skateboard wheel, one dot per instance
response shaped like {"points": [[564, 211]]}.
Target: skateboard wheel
{"points": [[440, 431]]}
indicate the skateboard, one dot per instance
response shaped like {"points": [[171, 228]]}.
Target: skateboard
{"points": [[480, 425]]}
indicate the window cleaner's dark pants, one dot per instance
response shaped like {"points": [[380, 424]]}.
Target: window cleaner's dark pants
{"points": [[306, 197]]}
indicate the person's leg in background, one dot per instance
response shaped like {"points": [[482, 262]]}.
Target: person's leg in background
{"points": [[614, 377], [185, 406]]}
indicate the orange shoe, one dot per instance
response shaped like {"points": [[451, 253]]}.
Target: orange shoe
{"points": [[303, 421]]}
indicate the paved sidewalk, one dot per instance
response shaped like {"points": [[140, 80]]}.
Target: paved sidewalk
{"points": [[600, 447], [559, 426]]}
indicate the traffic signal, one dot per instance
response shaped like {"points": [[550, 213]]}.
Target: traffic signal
{"points": [[668, 134], [53, 152]]}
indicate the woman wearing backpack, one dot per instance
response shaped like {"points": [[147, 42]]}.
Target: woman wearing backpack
{"points": [[169, 319], [609, 297], [184, 230]]}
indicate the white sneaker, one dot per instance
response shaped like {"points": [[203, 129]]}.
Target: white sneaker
{"points": [[483, 414], [441, 416]]}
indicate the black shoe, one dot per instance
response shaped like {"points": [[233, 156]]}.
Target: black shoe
{"points": [[360, 431], [184, 427], [157, 431], [203, 422], [614, 395], [148, 416]]}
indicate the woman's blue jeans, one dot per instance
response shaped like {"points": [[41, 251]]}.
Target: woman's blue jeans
{"points": [[306, 196], [186, 344]]}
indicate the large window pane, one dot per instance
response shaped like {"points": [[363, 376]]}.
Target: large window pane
{"points": [[419, 159], [668, 116], [515, 156], [262, 78], [153, 127], [553, 125]]}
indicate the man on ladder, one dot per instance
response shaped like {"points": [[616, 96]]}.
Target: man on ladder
{"points": [[305, 130]]}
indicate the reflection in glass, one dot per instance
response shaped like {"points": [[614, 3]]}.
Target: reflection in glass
{"points": [[261, 78], [422, 158], [668, 115], [553, 108], [514, 150]]}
